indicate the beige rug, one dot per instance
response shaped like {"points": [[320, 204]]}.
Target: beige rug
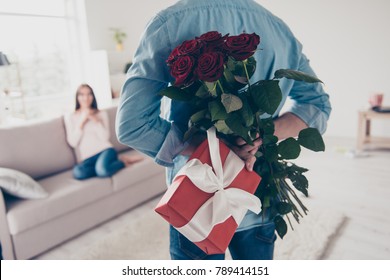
{"points": [[147, 238]]}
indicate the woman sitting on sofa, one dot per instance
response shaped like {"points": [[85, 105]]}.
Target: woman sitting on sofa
{"points": [[88, 133]]}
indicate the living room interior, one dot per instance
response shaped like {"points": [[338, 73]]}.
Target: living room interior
{"points": [[49, 47]]}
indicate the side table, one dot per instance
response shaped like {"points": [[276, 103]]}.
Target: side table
{"points": [[364, 130]]}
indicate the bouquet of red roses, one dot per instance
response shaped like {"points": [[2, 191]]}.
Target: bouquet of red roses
{"points": [[212, 72]]}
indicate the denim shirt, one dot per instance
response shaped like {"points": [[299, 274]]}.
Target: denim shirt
{"points": [[140, 123]]}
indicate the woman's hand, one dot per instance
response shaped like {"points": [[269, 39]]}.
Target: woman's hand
{"points": [[93, 116], [89, 115], [84, 118]]}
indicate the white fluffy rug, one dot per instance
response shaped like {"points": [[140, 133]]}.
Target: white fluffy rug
{"points": [[147, 238]]}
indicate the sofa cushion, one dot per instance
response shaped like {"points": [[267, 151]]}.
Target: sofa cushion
{"points": [[113, 139], [36, 149], [21, 185], [65, 195], [140, 171]]}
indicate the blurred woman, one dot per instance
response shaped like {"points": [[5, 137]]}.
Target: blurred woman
{"points": [[87, 130]]}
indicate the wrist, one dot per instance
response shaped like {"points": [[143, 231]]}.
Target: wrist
{"points": [[288, 125], [193, 143]]}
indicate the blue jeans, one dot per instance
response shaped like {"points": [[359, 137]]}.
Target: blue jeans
{"points": [[103, 164], [253, 244]]}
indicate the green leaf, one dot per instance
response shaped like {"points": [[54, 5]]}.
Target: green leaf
{"points": [[271, 153], [300, 182], [246, 112], [267, 126], [212, 88], [202, 92], [264, 170], [231, 102], [229, 83], [281, 226], [229, 77], [267, 95], [296, 75], [238, 70], [176, 94], [236, 67], [235, 124], [198, 116], [311, 139], [254, 134], [289, 148], [293, 168], [250, 66], [222, 127], [217, 111], [270, 139], [283, 208]]}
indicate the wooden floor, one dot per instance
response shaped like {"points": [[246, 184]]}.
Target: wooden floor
{"points": [[356, 185], [359, 186]]}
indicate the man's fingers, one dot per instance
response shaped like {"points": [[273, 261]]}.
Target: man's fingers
{"points": [[254, 151], [249, 163], [240, 141], [256, 144], [244, 155], [246, 152]]}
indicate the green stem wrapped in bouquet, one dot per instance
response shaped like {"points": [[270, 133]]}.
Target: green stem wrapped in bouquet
{"points": [[212, 73]]}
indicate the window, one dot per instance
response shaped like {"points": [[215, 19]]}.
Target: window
{"points": [[38, 37]]}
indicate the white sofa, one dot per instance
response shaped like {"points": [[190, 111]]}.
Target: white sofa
{"points": [[30, 227]]}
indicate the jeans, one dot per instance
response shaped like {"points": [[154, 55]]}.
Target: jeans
{"points": [[103, 164], [253, 244]]}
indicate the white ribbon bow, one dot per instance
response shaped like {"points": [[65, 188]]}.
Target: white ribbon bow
{"points": [[225, 202]]}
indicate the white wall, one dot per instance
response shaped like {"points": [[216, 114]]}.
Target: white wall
{"points": [[348, 44], [129, 15], [346, 40]]}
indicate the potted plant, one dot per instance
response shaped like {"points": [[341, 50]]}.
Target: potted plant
{"points": [[118, 36]]}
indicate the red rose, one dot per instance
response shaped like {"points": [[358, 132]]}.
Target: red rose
{"points": [[173, 56], [213, 40], [242, 46], [182, 70], [210, 66], [190, 47]]}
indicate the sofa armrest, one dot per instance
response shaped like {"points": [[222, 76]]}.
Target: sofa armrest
{"points": [[5, 237]]}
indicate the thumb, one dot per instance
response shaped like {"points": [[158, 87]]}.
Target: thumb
{"points": [[249, 163]]}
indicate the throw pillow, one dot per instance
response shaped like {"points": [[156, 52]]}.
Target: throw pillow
{"points": [[21, 185]]}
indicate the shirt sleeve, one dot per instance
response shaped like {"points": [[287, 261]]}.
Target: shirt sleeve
{"points": [[73, 130], [138, 123], [310, 101]]}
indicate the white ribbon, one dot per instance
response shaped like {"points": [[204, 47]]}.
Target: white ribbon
{"points": [[225, 202]]}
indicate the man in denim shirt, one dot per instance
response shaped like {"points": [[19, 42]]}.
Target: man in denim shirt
{"points": [[141, 126]]}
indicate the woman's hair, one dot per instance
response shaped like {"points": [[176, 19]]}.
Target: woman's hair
{"points": [[93, 104]]}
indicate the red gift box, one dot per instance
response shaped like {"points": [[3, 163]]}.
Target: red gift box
{"points": [[183, 199]]}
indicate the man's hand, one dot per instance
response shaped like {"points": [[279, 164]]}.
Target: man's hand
{"points": [[245, 151]]}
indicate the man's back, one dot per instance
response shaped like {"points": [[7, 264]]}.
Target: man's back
{"points": [[186, 20], [140, 125], [189, 18]]}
